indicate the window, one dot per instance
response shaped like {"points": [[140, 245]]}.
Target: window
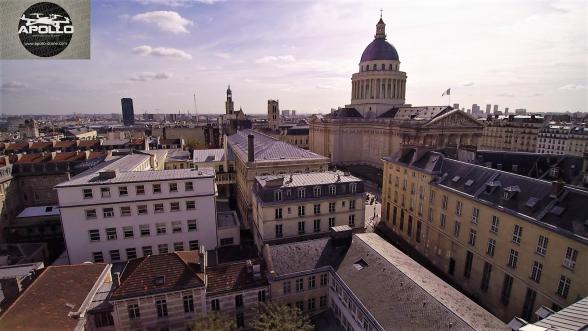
{"points": [[418, 231], [299, 285], [279, 233], [173, 187], [144, 229], [193, 245], [114, 255], [160, 228], [443, 221], [317, 208], [227, 241], [486, 277], [311, 282], [239, 300], [570, 258], [536, 271], [512, 258], [491, 247], [494, 224], [301, 227], [261, 296], [278, 213], [278, 195], [352, 220], [475, 215], [529, 304], [542, 245], [103, 319], [190, 205], [352, 187], [215, 305], [240, 320], [158, 208], [451, 270], [516, 234], [332, 190], [134, 312], [105, 192], [331, 222], [156, 188], [332, 207], [300, 210], [472, 237], [178, 246], [432, 197], [94, 235], [90, 214], [98, 257], [131, 253], [147, 250], [161, 306], [128, 232], [174, 206], [311, 304], [431, 217], [351, 204], [456, 228], [317, 225], [188, 301], [323, 301], [176, 226], [564, 286], [458, 208], [110, 233], [189, 186], [87, 193], [125, 211], [140, 189], [286, 287], [162, 248], [506, 289], [467, 272], [301, 193], [122, 191], [142, 209], [444, 202], [107, 212], [324, 280], [300, 305]]}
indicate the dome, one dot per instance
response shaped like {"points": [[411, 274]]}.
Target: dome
{"points": [[379, 49]]}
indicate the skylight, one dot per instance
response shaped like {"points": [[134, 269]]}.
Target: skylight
{"points": [[469, 182], [360, 264], [159, 280], [456, 179]]}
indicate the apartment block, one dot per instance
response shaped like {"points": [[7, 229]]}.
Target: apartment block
{"points": [[294, 206], [563, 139], [123, 210], [514, 243], [515, 133]]}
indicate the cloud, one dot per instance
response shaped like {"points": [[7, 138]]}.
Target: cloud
{"points": [[573, 87], [467, 84], [325, 87], [224, 56], [148, 76], [175, 3], [506, 95], [168, 21], [13, 85], [275, 59], [145, 50]]}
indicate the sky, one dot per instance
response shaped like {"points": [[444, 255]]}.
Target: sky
{"points": [[529, 54]]}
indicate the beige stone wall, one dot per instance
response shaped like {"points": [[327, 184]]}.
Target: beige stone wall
{"points": [[440, 245], [291, 298], [512, 138], [39, 190], [228, 304]]}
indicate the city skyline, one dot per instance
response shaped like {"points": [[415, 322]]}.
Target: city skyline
{"points": [[161, 52]]}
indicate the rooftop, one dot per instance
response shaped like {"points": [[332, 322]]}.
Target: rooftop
{"points": [[233, 276], [211, 155], [39, 211], [227, 219], [268, 148], [19, 270], [177, 155], [57, 292], [415, 299], [572, 318], [306, 179]]}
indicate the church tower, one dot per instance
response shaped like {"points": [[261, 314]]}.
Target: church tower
{"points": [[273, 114], [229, 106]]}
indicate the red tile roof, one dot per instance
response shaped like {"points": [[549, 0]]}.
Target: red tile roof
{"points": [[88, 143], [179, 270], [233, 276], [69, 156], [42, 145], [15, 146], [137, 141], [96, 155], [64, 144], [46, 303], [34, 158]]}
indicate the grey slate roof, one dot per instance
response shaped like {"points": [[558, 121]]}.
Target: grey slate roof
{"points": [[268, 148], [309, 179], [403, 295], [212, 155], [572, 318]]}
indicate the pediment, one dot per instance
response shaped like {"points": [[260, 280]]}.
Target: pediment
{"points": [[455, 118]]}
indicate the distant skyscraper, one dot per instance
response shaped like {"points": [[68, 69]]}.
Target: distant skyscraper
{"points": [[127, 111], [495, 109], [488, 106], [286, 112], [293, 113], [506, 111], [456, 106], [520, 111], [229, 106]]}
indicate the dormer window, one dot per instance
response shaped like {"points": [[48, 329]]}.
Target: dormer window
{"points": [[317, 191], [492, 185], [159, 280], [278, 195], [301, 193], [554, 172], [510, 191], [332, 190]]}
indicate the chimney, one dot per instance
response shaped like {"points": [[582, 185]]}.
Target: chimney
{"points": [[556, 188], [250, 148], [341, 235]]}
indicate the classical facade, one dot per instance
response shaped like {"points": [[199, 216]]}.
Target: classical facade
{"points": [[514, 243], [378, 122], [514, 133], [563, 139]]}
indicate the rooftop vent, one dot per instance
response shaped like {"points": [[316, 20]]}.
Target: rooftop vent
{"points": [[532, 202], [107, 174], [492, 185], [159, 280], [360, 264], [557, 210]]}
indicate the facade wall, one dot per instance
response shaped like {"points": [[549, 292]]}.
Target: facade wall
{"points": [[311, 300], [562, 141], [40, 190], [513, 137], [296, 140], [77, 226], [228, 303], [448, 248]]}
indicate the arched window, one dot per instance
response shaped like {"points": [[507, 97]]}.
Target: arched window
{"points": [[390, 67], [383, 66], [374, 67]]}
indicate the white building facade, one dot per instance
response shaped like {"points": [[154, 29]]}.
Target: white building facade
{"points": [[112, 215]]}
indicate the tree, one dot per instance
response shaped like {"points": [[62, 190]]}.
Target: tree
{"points": [[214, 322], [270, 317]]}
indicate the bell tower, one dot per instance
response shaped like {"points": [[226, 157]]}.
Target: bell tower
{"points": [[229, 106]]}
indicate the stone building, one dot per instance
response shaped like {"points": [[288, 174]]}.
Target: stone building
{"points": [[378, 122], [515, 133], [512, 242], [563, 139], [273, 114]]}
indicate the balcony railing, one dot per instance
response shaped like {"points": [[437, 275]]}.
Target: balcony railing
{"points": [[225, 178]]}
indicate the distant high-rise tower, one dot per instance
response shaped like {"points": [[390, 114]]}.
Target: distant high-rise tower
{"points": [[127, 111], [273, 114], [229, 106], [488, 106], [495, 110], [506, 111]]}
